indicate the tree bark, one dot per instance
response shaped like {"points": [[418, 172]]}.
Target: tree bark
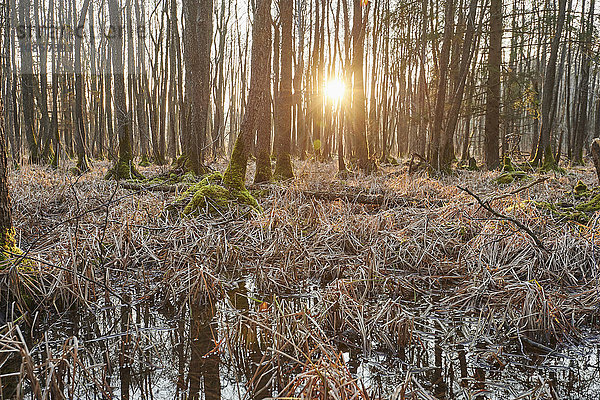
{"points": [[283, 169], [235, 175], [492, 108], [197, 49]]}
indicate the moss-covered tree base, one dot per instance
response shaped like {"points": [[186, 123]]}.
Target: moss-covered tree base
{"points": [[263, 169], [210, 195], [284, 169], [10, 252], [144, 162], [510, 173], [124, 170]]}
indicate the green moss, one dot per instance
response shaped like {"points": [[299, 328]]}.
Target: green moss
{"points": [[10, 251], [317, 145], [473, 164], [212, 178], [581, 189], [235, 175], [208, 197], [145, 162], [510, 177], [592, 205], [507, 165], [124, 170], [565, 213], [284, 169]]}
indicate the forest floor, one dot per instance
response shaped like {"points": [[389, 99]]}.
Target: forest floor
{"points": [[402, 286]]}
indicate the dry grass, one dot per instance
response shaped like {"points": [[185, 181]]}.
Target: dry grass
{"points": [[372, 274]]}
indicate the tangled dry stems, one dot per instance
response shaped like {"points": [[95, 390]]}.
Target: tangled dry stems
{"points": [[370, 274]]}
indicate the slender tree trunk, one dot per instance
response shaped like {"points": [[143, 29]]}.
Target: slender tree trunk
{"points": [[83, 164], [235, 175], [28, 82], [263, 118], [123, 168], [358, 87], [283, 169], [544, 149], [492, 108]]}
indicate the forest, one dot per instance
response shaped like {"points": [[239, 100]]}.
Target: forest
{"points": [[300, 199]]}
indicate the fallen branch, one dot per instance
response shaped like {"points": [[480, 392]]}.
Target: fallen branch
{"points": [[502, 196], [378, 200], [520, 225], [157, 188]]}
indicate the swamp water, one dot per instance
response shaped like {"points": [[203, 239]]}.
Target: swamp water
{"points": [[227, 350]]}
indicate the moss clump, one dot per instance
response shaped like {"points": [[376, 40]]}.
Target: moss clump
{"points": [[472, 164], [592, 205], [207, 197], [10, 252], [211, 195], [210, 198], [124, 170], [564, 212], [507, 165], [510, 177], [581, 190], [145, 162]]}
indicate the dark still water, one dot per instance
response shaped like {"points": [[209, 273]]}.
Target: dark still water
{"points": [[241, 347]]}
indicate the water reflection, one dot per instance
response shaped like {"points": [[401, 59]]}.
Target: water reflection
{"points": [[221, 349]]}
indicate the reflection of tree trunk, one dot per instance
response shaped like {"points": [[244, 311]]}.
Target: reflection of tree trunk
{"points": [[440, 387], [125, 351], [204, 361]]}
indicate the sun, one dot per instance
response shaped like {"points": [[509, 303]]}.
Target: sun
{"points": [[334, 89]]}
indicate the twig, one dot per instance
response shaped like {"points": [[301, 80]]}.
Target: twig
{"points": [[520, 225], [532, 184]]}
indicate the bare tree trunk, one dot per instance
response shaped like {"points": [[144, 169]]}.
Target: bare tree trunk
{"points": [[83, 164], [283, 169], [28, 82], [544, 149], [235, 175], [358, 87], [581, 125], [263, 118], [123, 168], [492, 110], [197, 48]]}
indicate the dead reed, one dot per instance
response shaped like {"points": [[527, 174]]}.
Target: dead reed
{"points": [[368, 275]]}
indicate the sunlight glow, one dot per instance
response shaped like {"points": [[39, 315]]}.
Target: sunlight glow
{"points": [[334, 89]]}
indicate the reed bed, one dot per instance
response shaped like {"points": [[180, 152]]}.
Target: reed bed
{"points": [[369, 276]]}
